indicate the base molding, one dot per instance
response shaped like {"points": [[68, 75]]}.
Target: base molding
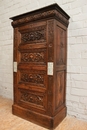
{"points": [[37, 118]]}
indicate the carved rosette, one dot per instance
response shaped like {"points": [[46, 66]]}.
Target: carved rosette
{"points": [[32, 57], [37, 34], [32, 78], [50, 40], [32, 98]]}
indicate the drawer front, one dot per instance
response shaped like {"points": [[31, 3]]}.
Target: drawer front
{"points": [[32, 100], [31, 77]]}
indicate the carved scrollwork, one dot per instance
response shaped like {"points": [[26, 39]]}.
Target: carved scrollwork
{"points": [[32, 78], [34, 35], [32, 98], [32, 57]]}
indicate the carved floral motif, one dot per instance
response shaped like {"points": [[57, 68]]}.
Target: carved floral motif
{"points": [[34, 34], [36, 99], [32, 78], [32, 57]]}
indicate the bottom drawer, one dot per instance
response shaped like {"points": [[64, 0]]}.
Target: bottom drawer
{"points": [[32, 100]]}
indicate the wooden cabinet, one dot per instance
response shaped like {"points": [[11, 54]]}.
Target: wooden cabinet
{"points": [[40, 53]]}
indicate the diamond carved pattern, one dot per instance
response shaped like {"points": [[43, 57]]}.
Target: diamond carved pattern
{"points": [[32, 57], [32, 78]]}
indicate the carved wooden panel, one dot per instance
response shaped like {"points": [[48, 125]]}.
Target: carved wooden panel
{"points": [[31, 98], [38, 55], [32, 57], [61, 46], [40, 43], [59, 91], [32, 78], [34, 35]]}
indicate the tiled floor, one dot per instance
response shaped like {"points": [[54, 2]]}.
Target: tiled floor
{"points": [[11, 122]]}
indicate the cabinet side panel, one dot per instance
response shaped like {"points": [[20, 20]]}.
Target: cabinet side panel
{"points": [[60, 66], [59, 90], [61, 46]]}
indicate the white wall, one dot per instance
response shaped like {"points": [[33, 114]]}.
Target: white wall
{"points": [[77, 49]]}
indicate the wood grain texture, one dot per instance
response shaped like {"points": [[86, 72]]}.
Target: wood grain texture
{"points": [[37, 43]]}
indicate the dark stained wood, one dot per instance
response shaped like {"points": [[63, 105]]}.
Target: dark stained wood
{"points": [[40, 37]]}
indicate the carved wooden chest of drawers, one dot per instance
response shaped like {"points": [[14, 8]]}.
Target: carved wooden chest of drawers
{"points": [[40, 52]]}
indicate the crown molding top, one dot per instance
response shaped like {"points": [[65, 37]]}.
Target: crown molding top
{"points": [[51, 11]]}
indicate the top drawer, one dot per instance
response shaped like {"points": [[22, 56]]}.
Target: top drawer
{"points": [[33, 33]]}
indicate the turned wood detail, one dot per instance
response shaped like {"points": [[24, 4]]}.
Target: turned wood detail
{"points": [[32, 98]]}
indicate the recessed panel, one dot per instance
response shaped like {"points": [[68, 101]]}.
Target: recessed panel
{"points": [[59, 89], [36, 56], [32, 99], [61, 46], [32, 79], [33, 35]]}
